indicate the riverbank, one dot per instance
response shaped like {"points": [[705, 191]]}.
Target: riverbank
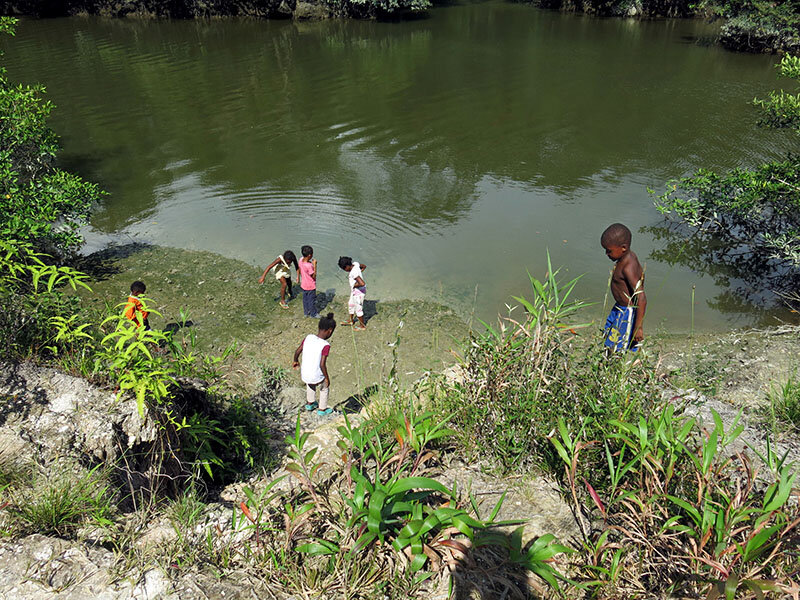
{"points": [[748, 27], [226, 305], [754, 26], [230, 537], [404, 340], [209, 9]]}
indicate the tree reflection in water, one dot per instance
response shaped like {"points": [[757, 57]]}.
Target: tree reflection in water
{"points": [[752, 283]]}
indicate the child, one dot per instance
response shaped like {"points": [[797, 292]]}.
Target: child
{"points": [[358, 291], [308, 282], [282, 273], [623, 330], [134, 309], [314, 372]]}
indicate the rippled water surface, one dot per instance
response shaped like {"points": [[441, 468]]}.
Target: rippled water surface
{"points": [[446, 153]]}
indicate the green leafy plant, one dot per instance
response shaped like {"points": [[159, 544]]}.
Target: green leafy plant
{"points": [[535, 557], [781, 109], [744, 210], [199, 434], [60, 504], [273, 377], [520, 377], [359, 525], [678, 516], [127, 354], [39, 203], [783, 409], [30, 291], [744, 223]]}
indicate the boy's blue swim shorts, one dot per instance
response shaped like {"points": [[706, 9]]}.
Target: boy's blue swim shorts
{"points": [[618, 332]]}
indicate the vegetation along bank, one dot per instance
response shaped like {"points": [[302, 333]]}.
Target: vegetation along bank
{"points": [[513, 460], [747, 25]]}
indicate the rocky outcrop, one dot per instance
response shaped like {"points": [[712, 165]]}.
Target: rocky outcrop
{"points": [[53, 417], [38, 567]]}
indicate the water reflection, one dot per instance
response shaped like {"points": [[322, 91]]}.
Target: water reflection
{"points": [[750, 283], [465, 143]]}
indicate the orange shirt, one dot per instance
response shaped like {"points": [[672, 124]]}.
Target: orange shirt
{"points": [[133, 306]]}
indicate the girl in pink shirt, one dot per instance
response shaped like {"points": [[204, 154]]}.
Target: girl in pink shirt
{"points": [[307, 276]]}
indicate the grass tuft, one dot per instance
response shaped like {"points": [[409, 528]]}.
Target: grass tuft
{"points": [[784, 405], [61, 504]]}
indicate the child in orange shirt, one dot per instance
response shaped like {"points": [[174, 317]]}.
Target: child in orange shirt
{"points": [[134, 309]]}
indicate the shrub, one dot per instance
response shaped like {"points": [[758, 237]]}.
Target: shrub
{"points": [[521, 377], [31, 299], [674, 515], [39, 203], [376, 523], [759, 33], [744, 224], [375, 8], [782, 110], [748, 221], [222, 440]]}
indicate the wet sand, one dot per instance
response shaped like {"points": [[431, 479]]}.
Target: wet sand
{"points": [[225, 304]]}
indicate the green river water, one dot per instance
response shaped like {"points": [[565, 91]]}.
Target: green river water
{"points": [[445, 152]]}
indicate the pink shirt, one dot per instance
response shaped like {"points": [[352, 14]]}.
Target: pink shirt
{"points": [[306, 269]]}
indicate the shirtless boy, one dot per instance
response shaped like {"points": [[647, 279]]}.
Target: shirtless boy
{"points": [[623, 330]]}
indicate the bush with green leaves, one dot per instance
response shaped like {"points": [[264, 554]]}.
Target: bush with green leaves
{"points": [[377, 522], [755, 209], [39, 203], [757, 25], [32, 301], [744, 224], [521, 377], [222, 441], [676, 511], [376, 8], [782, 110]]}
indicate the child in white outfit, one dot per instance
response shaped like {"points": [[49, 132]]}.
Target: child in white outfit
{"points": [[314, 370], [358, 291]]}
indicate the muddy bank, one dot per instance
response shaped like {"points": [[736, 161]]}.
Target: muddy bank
{"points": [[225, 304], [738, 374], [739, 367], [222, 299]]}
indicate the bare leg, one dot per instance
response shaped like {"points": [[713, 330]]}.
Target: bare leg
{"points": [[283, 293]]}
